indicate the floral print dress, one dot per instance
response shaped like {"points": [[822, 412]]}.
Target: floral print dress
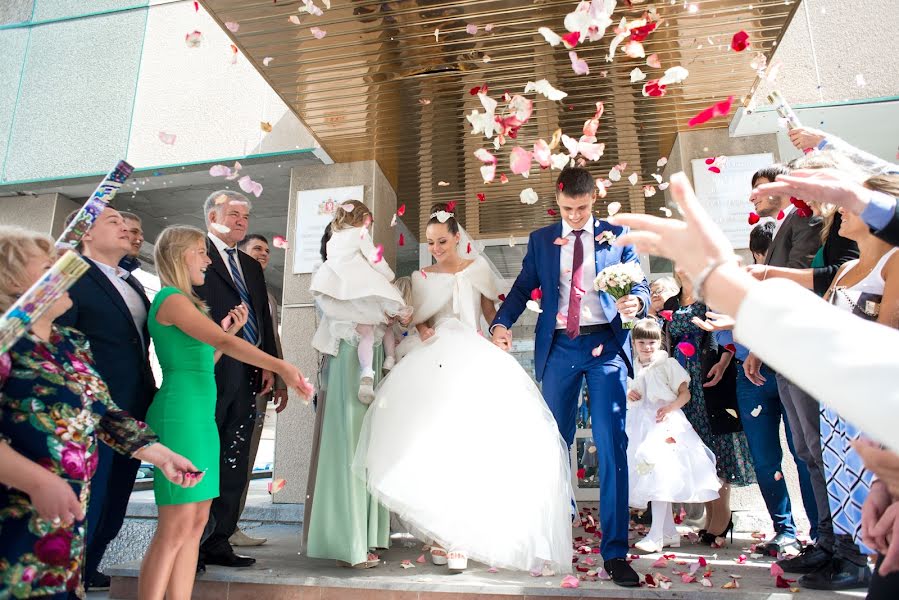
{"points": [[53, 407], [733, 461]]}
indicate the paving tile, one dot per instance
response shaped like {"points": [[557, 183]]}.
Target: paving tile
{"points": [[123, 588], [260, 591], [209, 590]]}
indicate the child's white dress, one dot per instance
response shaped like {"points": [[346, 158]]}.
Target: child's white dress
{"points": [[352, 288], [666, 461]]}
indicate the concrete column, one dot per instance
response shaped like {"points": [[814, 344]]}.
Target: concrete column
{"points": [[45, 213], [293, 431]]}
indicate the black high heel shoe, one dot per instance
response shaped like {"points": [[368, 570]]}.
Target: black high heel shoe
{"points": [[711, 538]]}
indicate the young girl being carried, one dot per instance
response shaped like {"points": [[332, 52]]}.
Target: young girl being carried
{"points": [[667, 462], [353, 288]]}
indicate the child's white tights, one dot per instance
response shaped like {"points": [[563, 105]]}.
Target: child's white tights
{"points": [[389, 342], [662, 523], [366, 349]]}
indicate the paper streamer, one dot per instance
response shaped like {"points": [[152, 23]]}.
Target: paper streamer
{"points": [[71, 237], [39, 297]]}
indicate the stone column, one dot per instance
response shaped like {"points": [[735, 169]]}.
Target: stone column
{"points": [[293, 431], [45, 213]]}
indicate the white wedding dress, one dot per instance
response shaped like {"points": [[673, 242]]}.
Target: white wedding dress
{"points": [[459, 441]]}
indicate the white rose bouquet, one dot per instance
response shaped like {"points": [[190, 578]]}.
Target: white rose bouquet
{"points": [[617, 281]]}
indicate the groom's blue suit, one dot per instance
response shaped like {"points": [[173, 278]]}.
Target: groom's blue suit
{"points": [[562, 364]]}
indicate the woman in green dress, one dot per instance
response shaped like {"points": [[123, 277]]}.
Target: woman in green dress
{"points": [[188, 344]]}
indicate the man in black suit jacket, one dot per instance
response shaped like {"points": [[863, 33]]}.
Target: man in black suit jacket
{"points": [[232, 278], [110, 307]]}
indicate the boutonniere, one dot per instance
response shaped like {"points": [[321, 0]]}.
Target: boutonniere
{"points": [[606, 237]]}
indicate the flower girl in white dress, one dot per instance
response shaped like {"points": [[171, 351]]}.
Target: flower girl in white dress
{"points": [[667, 462], [434, 446], [354, 290]]}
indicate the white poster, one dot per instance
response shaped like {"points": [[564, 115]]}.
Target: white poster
{"points": [[725, 195], [315, 209]]}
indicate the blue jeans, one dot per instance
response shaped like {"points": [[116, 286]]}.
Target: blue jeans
{"points": [[763, 435]]}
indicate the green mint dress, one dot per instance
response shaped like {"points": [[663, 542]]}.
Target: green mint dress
{"points": [[183, 411], [344, 521]]}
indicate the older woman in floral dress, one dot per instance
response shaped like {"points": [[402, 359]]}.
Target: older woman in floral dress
{"points": [[53, 408]]}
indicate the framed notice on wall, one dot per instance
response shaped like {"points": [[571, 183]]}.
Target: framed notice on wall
{"points": [[725, 195], [315, 209]]}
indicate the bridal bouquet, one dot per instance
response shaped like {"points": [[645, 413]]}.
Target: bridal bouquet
{"points": [[617, 281]]}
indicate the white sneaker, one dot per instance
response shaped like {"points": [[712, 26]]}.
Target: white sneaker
{"points": [[366, 390], [456, 561], [239, 538], [389, 363]]}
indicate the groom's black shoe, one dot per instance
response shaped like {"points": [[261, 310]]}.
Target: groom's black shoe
{"points": [[229, 559], [621, 572]]}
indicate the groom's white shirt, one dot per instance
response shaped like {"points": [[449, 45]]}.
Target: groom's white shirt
{"points": [[591, 309]]}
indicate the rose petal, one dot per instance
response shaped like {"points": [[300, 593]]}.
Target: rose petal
{"points": [[543, 87], [718, 109], [674, 75], [649, 191], [634, 49], [520, 161], [778, 476], [665, 210], [232, 26], [267, 61], [571, 39], [317, 33], [613, 208], [294, 19], [167, 138], [740, 41], [560, 241], [279, 242], [666, 314], [570, 581], [637, 75], [552, 212], [265, 126], [753, 218], [276, 485], [550, 36], [219, 171], [756, 411], [471, 29], [633, 178], [653, 61], [687, 349], [378, 255], [528, 196], [579, 65], [193, 39]]}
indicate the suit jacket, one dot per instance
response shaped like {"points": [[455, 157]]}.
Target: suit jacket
{"points": [[837, 250], [796, 243], [120, 354], [220, 295], [890, 233], [541, 269]]}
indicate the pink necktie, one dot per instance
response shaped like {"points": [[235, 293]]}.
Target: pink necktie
{"points": [[572, 328]]}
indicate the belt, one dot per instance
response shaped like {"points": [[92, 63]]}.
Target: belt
{"points": [[588, 329]]}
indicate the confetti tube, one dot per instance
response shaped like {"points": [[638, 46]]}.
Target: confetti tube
{"points": [[71, 237], [39, 297], [783, 109]]}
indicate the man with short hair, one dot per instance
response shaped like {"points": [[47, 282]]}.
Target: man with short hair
{"points": [[256, 245], [134, 225], [834, 562], [233, 278], [580, 335], [110, 307]]}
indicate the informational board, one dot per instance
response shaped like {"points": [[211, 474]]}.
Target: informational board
{"points": [[725, 195], [315, 209]]}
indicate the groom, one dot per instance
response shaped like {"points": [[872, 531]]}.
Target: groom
{"points": [[579, 335]]}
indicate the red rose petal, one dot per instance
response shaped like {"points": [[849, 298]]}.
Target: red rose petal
{"points": [[551, 212], [536, 294], [571, 39], [401, 210], [687, 349], [753, 218], [402, 241], [740, 41], [666, 314], [502, 297], [719, 109], [640, 33], [780, 215], [714, 169], [451, 206], [481, 197], [731, 348]]}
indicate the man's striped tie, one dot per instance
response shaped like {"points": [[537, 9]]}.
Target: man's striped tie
{"points": [[250, 331]]}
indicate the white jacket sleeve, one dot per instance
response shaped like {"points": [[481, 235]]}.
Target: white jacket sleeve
{"points": [[367, 247], [845, 362]]}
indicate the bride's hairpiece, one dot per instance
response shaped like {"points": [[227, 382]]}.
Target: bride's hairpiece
{"points": [[442, 216]]}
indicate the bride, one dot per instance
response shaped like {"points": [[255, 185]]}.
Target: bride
{"points": [[459, 442]]}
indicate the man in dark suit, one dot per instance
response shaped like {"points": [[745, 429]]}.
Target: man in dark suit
{"points": [[110, 307], [233, 278]]}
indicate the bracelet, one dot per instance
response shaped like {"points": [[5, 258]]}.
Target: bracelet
{"points": [[765, 276], [699, 282]]}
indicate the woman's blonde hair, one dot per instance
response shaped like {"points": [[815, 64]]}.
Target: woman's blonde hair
{"points": [[887, 183], [404, 285], [827, 160], [354, 217], [17, 247], [171, 266]]}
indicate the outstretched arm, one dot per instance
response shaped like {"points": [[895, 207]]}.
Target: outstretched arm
{"points": [[640, 290]]}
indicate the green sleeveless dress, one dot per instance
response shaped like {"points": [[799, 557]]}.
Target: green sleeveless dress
{"points": [[183, 411]]}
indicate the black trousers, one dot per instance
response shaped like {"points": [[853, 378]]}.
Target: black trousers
{"points": [[111, 488], [235, 415], [883, 588]]}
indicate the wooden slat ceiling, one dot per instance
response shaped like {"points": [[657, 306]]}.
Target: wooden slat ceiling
{"points": [[380, 85]]}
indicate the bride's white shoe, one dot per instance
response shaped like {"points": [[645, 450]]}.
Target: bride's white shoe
{"points": [[438, 556], [649, 546], [457, 561]]}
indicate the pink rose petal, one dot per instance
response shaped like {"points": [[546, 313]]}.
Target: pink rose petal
{"points": [[232, 26], [471, 29], [687, 349], [579, 65], [378, 256], [267, 61], [279, 242], [520, 160], [718, 109], [193, 39], [570, 581], [317, 33], [276, 485], [167, 138], [653, 61], [776, 570]]}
